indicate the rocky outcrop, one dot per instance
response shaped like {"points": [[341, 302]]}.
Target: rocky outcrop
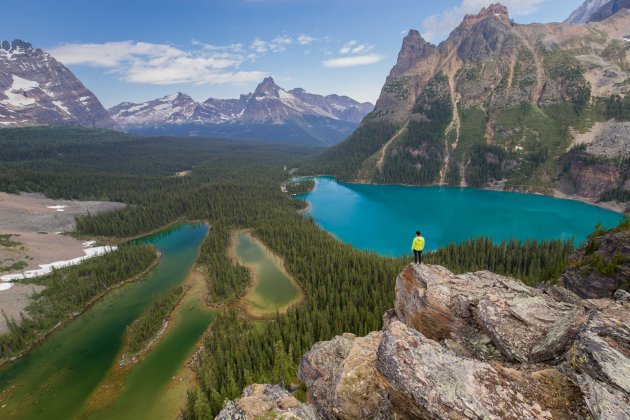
{"points": [[427, 381], [478, 314], [36, 89], [266, 401], [477, 345], [601, 267], [342, 379]]}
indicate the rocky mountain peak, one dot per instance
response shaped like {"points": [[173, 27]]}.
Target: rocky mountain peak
{"points": [[17, 44], [494, 11], [413, 50], [267, 88], [36, 89]]}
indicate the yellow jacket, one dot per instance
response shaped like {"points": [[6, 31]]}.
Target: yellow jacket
{"points": [[418, 243]]}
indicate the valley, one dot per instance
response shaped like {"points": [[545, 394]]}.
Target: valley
{"points": [[250, 258]]}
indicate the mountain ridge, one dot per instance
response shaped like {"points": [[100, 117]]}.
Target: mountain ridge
{"points": [[269, 105]]}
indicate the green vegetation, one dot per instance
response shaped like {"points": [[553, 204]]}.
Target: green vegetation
{"points": [[416, 158], [300, 187], [235, 185], [345, 159], [147, 325], [6, 241], [618, 107], [18, 265], [591, 261], [398, 88], [68, 290]]}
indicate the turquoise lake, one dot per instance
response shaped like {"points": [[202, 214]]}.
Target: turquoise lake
{"points": [[384, 218]]}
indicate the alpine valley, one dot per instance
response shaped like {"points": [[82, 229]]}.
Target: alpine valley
{"points": [[241, 259], [537, 107]]}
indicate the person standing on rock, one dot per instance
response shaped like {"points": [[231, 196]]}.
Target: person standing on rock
{"points": [[417, 246]]}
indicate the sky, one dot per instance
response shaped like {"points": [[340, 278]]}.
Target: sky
{"points": [[138, 50]]}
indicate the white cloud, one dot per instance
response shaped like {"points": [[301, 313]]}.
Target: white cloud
{"points": [[353, 47], [162, 64], [352, 61], [305, 39], [438, 26], [278, 44]]}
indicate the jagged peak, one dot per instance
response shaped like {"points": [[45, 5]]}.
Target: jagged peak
{"points": [[267, 87], [175, 96], [16, 44], [414, 48], [494, 11]]}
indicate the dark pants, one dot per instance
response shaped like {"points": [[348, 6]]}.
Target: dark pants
{"points": [[417, 255]]}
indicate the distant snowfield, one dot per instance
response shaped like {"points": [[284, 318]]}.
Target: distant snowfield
{"points": [[48, 268], [15, 93]]}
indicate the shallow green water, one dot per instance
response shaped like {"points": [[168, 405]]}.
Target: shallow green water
{"points": [[55, 379], [384, 218], [274, 289]]}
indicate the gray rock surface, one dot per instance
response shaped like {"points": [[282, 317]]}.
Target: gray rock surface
{"points": [[614, 141], [348, 386], [471, 308], [266, 401], [475, 345], [429, 382]]}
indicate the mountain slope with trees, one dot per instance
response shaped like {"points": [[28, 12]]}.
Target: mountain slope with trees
{"points": [[517, 107]]}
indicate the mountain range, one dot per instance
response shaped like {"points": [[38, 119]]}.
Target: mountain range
{"points": [[537, 107], [269, 113], [36, 89]]}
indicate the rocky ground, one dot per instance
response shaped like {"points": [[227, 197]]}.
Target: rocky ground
{"points": [[476, 345], [38, 222]]}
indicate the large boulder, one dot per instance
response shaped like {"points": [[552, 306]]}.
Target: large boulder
{"points": [[477, 314], [601, 357], [342, 379], [429, 381], [266, 401]]}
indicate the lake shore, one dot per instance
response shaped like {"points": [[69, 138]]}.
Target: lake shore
{"points": [[174, 396], [608, 205], [255, 277], [87, 306]]}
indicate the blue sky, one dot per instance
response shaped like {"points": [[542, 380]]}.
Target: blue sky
{"points": [[136, 50]]}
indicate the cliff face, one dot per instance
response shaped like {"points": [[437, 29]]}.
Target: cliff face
{"points": [[477, 345]]}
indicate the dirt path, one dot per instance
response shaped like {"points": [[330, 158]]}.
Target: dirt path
{"points": [[383, 152]]}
